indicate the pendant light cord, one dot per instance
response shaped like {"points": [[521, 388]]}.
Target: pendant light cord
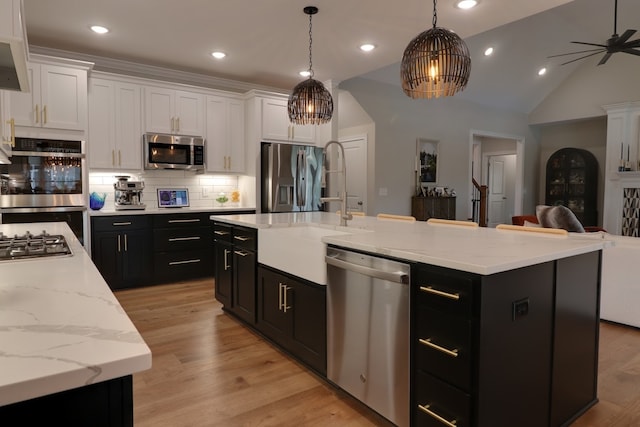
{"points": [[434, 20], [310, 43]]}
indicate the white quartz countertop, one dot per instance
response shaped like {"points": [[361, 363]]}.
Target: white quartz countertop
{"points": [[155, 210], [476, 250], [61, 327]]}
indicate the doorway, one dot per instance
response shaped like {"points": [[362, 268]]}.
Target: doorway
{"points": [[355, 153], [505, 178]]}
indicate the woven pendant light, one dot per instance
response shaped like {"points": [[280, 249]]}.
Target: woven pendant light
{"points": [[310, 102], [435, 63]]}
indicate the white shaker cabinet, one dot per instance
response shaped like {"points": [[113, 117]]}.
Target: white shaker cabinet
{"points": [[57, 100], [174, 111], [7, 128], [225, 148], [115, 117], [13, 44], [276, 124]]}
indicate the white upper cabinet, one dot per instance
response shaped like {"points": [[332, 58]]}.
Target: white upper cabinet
{"points": [[276, 124], [13, 46], [174, 111], [57, 100], [115, 129], [225, 149], [7, 129]]}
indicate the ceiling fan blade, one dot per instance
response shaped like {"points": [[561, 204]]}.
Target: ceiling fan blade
{"points": [[625, 36], [632, 43], [605, 58], [582, 57], [579, 51], [631, 51], [591, 44]]}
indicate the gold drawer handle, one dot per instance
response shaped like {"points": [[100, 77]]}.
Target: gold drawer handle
{"points": [[430, 290], [428, 343], [221, 233], [444, 421], [242, 238], [241, 253]]}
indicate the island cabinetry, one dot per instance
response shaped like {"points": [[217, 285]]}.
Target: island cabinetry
{"points": [[237, 269], [480, 344], [292, 313], [174, 111], [423, 208], [182, 247], [120, 249]]}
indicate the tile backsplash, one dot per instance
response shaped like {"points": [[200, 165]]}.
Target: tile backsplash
{"points": [[203, 189]]}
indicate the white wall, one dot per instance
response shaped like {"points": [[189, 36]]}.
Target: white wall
{"points": [[400, 120]]}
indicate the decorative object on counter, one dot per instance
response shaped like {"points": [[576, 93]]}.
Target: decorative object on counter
{"points": [[222, 199], [96, 201], [235, 197], [310, 102], [173, 197], [435, 63]]}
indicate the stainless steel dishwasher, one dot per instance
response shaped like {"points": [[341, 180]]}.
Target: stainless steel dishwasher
{"points": [[368, 330]]}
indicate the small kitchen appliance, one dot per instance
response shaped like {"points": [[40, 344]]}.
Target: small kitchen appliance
{"points": [[128, 194], [173, 152]]}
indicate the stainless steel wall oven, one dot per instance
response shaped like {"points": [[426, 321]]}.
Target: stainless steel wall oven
{"points": [[44, 183]]}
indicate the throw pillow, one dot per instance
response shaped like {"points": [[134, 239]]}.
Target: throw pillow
{"points": [[558, 217]]}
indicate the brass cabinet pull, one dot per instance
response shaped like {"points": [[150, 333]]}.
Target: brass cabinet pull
{"points": [[12, 126], [173, 221], [221, 233], [444, 421], [242, 238], [188, 261], [430, 290], [44, 113], [122, 223], [119, 243], [428, 343], [226, 260], [180, 239], [37, 113], [283, 305], [241, 253]]}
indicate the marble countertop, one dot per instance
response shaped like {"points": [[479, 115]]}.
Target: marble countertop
{"points": [[152, 210], [476, 250], [61, 327]]}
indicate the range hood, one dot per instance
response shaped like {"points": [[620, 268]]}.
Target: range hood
{"points": [[13, 65]]}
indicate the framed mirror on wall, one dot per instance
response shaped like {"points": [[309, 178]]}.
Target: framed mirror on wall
{"points": [[426, 162]]}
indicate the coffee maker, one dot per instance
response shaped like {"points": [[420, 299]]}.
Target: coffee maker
{"points": [[128, 194]]}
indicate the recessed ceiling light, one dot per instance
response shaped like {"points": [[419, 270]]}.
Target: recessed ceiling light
{"points": [[542, 71], [367, 47], [218, 54], [99, 29], [466, 4], [488, 51], [305, 73]]}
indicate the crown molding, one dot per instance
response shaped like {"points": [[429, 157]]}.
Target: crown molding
{"points": [[118, 66]]}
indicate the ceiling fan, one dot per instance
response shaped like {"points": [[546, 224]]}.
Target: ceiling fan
{"points": [[615, 44]]}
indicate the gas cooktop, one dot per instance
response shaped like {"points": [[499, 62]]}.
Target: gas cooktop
{"points": [[32, 246]]}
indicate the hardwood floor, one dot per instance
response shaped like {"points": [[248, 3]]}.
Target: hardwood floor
{"points": [[209, 370]]}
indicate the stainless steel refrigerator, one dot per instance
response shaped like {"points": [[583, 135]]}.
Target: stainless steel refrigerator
{"points": [[291, 177]]}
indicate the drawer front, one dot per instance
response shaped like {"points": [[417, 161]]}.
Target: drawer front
{"points": [[170, 266], [181, 239], [119, 222], [438, 403], [181, 220], [443, 347], [246, 238], [222, 232], [444, 290]]}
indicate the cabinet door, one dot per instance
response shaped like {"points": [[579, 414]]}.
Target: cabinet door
{"points": [[63, 97], [159, 106], [235, 136], [106, 254], [128, 125], [244, 284], [102, 139], [309, 323], [189, 113], [6, 136], [275, 120], [23, 104], [136, 253], [217, 141], [224, 272], [272, 320]]}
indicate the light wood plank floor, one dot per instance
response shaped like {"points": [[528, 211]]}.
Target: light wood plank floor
{"points": [[209, 370]]}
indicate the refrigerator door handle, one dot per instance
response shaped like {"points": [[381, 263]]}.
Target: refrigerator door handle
{"points": [[301, 185]]}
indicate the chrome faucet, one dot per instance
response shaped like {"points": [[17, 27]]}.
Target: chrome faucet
{"points": [[342, 198]]}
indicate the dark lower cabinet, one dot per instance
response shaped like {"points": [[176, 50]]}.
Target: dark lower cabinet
{"points": [[104, 404], [292, 313], [120, 249], [513, 348], [243, 296], [223, 252]]}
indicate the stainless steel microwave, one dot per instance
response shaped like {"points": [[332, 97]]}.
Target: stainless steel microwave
{"points": [[163, 151]]}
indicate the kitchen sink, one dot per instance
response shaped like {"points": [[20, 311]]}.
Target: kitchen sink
{"points": [[297, 250]]}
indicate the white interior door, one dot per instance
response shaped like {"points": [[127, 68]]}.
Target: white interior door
{"points": [[355, 152], [501, 189]]}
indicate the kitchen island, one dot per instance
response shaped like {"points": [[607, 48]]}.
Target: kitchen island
{"points": [[67, 347], [503, 324]]}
